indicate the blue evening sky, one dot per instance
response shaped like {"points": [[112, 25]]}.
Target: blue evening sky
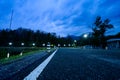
{"points": [[73, 17]]}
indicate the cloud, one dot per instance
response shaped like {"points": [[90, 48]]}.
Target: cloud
{"points": [[60, 16]]}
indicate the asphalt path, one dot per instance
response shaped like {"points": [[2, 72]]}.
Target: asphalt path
{"points": [[20, 68], [83, 64]]}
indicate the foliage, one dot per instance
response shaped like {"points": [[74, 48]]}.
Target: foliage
{"points": [[99, 29], [15, 50], [113, 36], [28, 37]]}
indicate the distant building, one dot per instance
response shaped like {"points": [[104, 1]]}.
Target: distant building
{"points": [[113, 43]]}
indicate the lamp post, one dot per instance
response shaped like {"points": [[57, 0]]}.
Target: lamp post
{"points": [[33, 44], [85, 35], [22, 44], [64, 45], [75, 42], [43, 44], [58, 45], [69, 45], [10, 44]]}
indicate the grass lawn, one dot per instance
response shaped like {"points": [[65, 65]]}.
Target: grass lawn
{"points": [[15, 57]]}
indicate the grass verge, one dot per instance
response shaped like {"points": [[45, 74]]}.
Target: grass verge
{"points": [[16, 57]]}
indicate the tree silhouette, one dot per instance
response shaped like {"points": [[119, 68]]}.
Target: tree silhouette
{"points": [[99, 29], [28, 37]]}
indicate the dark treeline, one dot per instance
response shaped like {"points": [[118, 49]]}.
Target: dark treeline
{"points": [[28, 37], [98, 38], [91, 40], [113, 36]]}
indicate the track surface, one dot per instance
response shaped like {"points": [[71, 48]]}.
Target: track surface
{"points": [[79, 64]]}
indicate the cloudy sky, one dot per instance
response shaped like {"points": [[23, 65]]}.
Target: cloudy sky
{"points": [[63, 17]]}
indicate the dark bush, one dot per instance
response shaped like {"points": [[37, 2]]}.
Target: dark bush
{"points": [[15, 50], [3, 53]]}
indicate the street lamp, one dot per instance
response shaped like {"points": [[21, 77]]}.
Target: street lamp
{"points": [[58, 45], [69, 45], [22, 44], [10, 44], [33, 44], [43, 44], [85, 35], [75, 42], [88, 39]]}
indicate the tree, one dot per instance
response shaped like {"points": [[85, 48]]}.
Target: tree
{"points": [[27, 36], [99, 29]]}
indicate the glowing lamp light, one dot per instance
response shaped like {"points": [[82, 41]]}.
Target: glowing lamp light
{"points": [[85, 35], [69, 45], [58, 45], [22, 44], [10, 43], [43, 44], [33, 44], [75, 41]]}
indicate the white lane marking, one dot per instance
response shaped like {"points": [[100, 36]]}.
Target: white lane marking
{"points": [[37, 71]]}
